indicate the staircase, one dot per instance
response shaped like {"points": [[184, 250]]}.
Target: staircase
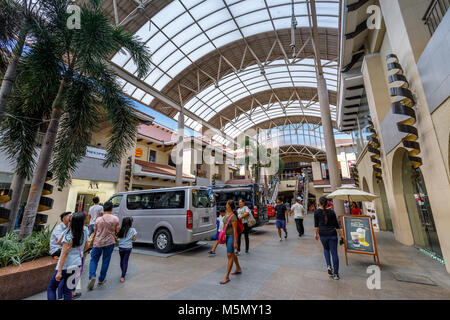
{"points": [[274, 190]]}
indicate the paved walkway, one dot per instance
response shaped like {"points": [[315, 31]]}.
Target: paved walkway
{"points": [[291, 269]]}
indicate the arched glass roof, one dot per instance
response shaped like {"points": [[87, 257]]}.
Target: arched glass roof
{"points": [[277, 74], [272, 111], [184, 31]]}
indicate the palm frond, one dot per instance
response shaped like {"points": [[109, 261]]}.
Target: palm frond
{"points": [[75, 130]]}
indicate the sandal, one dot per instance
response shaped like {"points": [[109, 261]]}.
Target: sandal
{"points": [[225, 282], [237, 272]]}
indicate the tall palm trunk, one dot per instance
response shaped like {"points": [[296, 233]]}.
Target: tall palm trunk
{"points": [[40, 173], [17, 185], [10, 74]]}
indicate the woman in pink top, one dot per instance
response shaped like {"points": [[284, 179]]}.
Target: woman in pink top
{"points": [[105, 229]]}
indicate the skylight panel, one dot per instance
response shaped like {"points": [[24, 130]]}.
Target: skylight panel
{"points": [[177, 25], [189, 34], [209, 18], [147, 99], [176, 57], [154, 75], [163, 52], [194, 44], [221, 29], [252, 17], [144, 33], [138, 94], [227, 38], [161, 83], [200, 52], [156, 43], [121, 57], [129, 89], [168, 13]]}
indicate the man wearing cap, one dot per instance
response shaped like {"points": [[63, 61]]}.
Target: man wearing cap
{"points": [[299, 214]]}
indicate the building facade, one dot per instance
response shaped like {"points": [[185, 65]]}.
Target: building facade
{"points": [[395, 99]]}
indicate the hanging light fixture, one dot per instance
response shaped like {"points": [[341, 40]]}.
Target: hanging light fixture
{"points": [[293, 27]]}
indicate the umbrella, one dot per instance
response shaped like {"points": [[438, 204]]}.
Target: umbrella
{"points": [[345, 193]]}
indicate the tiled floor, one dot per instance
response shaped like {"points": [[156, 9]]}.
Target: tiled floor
{"points": [[291, 269]]}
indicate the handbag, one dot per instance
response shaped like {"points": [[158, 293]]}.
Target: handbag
{"points": [[251, 220], [222, 235], [240, 226]]}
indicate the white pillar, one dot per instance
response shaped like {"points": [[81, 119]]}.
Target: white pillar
{"points": [[180, 145], [330, 144]]}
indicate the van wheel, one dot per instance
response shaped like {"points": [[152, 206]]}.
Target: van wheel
{"points": [[163, 241]]}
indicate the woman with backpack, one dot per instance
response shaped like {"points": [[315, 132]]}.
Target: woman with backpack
{"points": [[325, 226], [231, 232]]}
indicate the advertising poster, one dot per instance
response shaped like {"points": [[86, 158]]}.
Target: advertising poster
{"points": [[358, 234], [370, 210]]}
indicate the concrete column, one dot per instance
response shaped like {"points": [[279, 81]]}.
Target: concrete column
{"points": [[179, 163], [330, 144]]}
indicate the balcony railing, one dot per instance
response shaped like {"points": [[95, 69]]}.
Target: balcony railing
{"points": [[435, 13]]}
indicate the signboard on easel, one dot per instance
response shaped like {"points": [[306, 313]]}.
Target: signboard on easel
{"points": [[359, 236]]}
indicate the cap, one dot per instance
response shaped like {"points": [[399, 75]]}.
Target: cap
{"points": [[299, 198]]}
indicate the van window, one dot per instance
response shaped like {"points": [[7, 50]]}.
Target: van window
{"points": [[156, 200], [202, 198], [116, 201]]}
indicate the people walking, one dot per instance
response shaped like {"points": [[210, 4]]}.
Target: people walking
{"points": [[325, 226], [126, 236], [71, 259], [220, 228], [55, 242], [299, 213], [105, 229], [281, 213], [57, 233], [95, 211], [243, 214], [230, 220]]}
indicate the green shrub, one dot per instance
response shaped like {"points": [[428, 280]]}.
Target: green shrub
{"points": [[13, 252]]}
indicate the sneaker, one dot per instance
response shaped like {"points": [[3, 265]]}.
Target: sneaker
{"points": [[76, 295], [91, 283], [285, 236], [336, 277], [330, 271], [281, 239], [246, 251]]}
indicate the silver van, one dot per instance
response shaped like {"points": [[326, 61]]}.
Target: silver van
{"points": [[168, 216]]}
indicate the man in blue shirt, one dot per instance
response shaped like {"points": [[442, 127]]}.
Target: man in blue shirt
{"points": [[281, 213]]}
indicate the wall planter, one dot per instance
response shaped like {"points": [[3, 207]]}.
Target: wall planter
{"points": [[27, 279]]}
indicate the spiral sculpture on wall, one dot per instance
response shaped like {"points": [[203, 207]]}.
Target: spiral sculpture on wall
{"points": [[45, 203], [374, 148], [354, 173], [403, 103]]}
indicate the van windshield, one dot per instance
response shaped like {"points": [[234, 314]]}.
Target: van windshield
{"points": [[202, 198]]}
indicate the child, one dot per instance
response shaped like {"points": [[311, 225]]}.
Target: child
{"points": [[126, 235], [220, 218]]}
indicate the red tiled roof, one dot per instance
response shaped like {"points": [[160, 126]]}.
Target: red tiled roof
{"points": [[240, 181], [160, 169], [157, 132]]}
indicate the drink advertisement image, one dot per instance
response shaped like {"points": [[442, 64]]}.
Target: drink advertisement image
{"points": [[358, 234]]}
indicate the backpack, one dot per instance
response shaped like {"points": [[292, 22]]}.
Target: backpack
{"points": [[222, 235]]}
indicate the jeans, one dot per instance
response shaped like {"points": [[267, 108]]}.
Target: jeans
{"points": [[106, 252], [247, 240], [330, 244], [54, 285], [299, 224], [91, 229], [124, 256]]}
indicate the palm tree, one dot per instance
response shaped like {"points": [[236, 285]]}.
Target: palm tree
{"points": [[28, 111], [15, 22], [86, 85]]}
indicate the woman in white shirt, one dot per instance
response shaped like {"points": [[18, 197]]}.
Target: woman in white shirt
{"points": [[243, 213]]}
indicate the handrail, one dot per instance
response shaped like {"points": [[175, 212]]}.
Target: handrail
{"points": [[435, 13]]}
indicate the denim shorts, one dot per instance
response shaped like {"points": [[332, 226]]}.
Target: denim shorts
{"points": [[281, 224], [230, 244]]}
